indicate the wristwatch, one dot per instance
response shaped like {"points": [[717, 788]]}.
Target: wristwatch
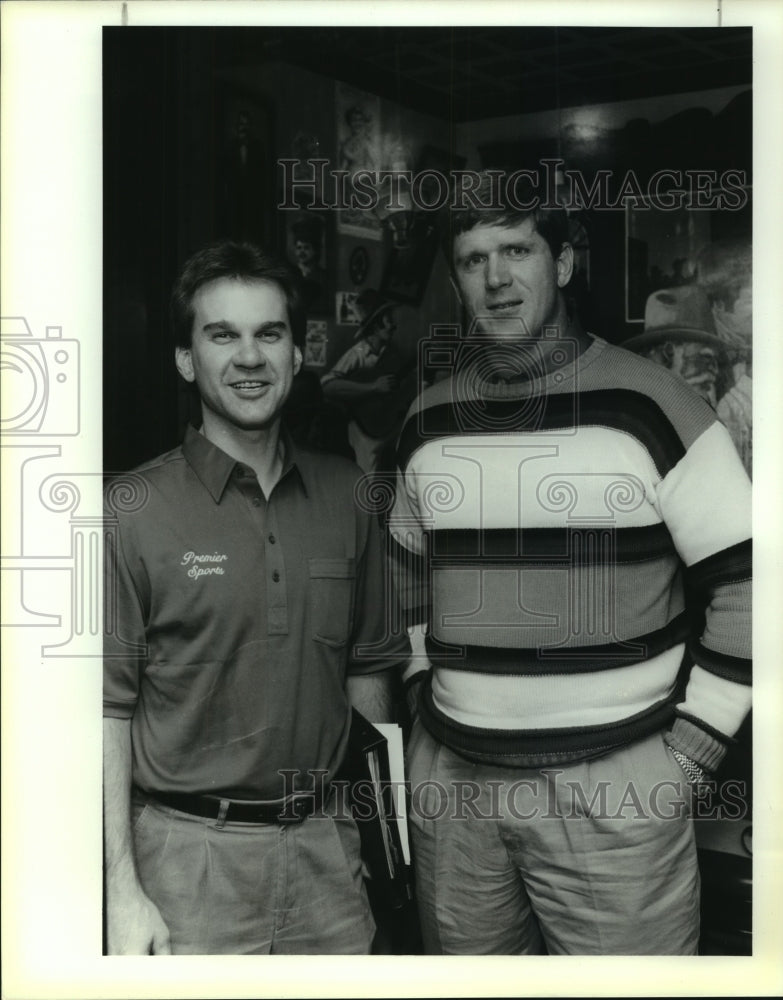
{"points": [[694, 772]]}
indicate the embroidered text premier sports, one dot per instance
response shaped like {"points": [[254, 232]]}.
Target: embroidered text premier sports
{"points": [[195, 561]]}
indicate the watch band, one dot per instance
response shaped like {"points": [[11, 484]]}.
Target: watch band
{"points": [[695, 772]]}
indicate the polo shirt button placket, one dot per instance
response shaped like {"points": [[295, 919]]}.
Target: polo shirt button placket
{"points": [[277, 580]]}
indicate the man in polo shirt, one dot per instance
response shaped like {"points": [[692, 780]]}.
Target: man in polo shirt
{"points": [[246, 615]]}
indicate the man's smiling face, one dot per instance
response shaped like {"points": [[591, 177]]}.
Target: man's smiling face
{"points": [[509, 282], [242, 355]]}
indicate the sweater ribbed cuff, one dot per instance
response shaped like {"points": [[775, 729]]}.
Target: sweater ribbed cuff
{"points": [[705, 750]]}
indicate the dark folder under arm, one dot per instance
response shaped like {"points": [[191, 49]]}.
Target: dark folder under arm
{"points": [[372, 803]]}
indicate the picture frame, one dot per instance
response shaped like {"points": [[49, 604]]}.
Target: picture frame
{"points": [[412, 236], [411, 245], [358, 135], [662, 243], [245, 178]]}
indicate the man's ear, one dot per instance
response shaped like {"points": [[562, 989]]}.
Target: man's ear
{"points": [[297, 360], [565, 265], [183, 359]]}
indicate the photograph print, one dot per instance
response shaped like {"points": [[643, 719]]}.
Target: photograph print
{"points": [[415, 555]]}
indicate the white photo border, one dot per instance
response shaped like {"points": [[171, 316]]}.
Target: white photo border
{"points": [[51, 277]]}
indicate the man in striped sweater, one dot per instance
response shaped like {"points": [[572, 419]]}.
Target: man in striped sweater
{"points": [[558, 499]]}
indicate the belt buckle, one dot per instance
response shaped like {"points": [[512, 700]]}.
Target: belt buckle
{"points": [[299, 805]]}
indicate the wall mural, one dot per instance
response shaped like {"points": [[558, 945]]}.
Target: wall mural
{"points": [[676, 194]]}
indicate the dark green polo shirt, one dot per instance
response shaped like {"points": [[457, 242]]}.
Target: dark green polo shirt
{"points": [[232, 619]]}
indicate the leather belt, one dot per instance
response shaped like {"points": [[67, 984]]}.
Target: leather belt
{"points": [[292, 809]]}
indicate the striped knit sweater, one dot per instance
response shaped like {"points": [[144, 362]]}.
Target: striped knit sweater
{"points": [[578, 547]]}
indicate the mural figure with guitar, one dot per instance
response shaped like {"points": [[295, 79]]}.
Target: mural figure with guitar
{"points": [[369, 381]]}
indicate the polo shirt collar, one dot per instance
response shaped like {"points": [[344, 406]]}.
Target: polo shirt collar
{"points": [[294, 460], [214, 467]]}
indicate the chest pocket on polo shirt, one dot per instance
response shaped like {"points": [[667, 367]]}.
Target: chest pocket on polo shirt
{"points": [[331, 599]]}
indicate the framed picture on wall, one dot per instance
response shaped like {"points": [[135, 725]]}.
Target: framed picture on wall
{"points": [[307, 248], [412, 242], [689, 287], [245, 169], [316, 342], [663, 245], [412, 236], [358, 125]]}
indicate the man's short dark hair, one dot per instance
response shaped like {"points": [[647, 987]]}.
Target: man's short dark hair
{"points": [[550, 222], [243, 262]]}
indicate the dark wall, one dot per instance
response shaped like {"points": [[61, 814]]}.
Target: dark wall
{"points": [[164, 194], [173, 181], [140, 223]]}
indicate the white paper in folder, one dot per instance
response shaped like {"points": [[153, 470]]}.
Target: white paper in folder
{"points": [[393, 734]]}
